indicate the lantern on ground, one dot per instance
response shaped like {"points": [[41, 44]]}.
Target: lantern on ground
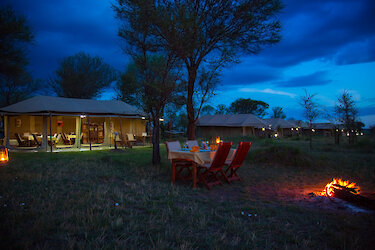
{"points": [[4, 157]]}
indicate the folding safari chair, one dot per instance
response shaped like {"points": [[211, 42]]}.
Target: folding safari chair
{"points": [[131, 141], [237, 160], [22, 142], [36, 142], [208, 173], [65, 139], [179, 165]]}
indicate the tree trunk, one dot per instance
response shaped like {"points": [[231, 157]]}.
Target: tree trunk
{"points": [[192, 72], [155, 143], [337, 137], [310, 137]]}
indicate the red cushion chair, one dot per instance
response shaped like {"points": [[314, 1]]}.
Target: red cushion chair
{"points": [[237, 160], [181, 168], [209, 173]]}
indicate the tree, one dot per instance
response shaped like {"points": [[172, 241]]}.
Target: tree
{"points": [[278, 112], [221, 109], [82, 76], [248, 106], [347, 113], [311, 111], [16, 83], [207, 32], [333, 118], [207, 110], [156, 72]]}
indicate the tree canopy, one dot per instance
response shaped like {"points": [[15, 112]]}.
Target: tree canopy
{"points": [[207, 33], [278, 112], [248, 106], [82, 76], [311, 111], [347, 111], [16, 83]]}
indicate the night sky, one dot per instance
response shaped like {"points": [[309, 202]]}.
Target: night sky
{"points": [[327, 46]]}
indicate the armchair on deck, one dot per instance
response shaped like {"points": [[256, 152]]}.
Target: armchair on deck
{"points": [[130, 140]]}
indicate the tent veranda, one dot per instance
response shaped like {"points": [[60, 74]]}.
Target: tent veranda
{"points": [[49, 115]]}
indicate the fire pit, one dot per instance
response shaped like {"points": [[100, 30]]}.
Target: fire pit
{"points": [[347, 191]]}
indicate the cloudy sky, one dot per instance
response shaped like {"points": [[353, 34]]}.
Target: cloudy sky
{"points": [[328, 46]]}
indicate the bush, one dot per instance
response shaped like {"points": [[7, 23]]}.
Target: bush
{"points": [[281, 155]]}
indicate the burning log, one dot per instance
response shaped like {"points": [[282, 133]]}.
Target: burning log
{"points": [[355, 199], [348, 192]]}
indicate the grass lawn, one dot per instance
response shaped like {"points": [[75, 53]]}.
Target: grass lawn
{"points": [[106, 199]]}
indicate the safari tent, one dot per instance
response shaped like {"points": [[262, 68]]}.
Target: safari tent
{"points": [[231, 125], [87, 121]]}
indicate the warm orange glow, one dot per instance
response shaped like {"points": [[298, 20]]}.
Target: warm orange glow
{"points": [[213, 147], [217, 140], [330, 189], [194, 149], [4, 158]]}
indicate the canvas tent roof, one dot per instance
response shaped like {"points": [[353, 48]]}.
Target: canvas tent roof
{"points": [[60, 105], [236, 120], [279, 123], [323, 126], [299, 123]]}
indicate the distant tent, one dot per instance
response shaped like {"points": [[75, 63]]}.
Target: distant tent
{"points": [[230, 125]]}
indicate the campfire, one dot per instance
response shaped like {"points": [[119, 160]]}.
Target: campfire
{"points": [[347, 191], [334, 186]]}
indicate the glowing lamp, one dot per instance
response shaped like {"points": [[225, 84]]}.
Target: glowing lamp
{"points": [[161, 119], [263, 129], [217, 140], [297, 129], [4, 157], [292, 129], [276, 135], [313, 130]]}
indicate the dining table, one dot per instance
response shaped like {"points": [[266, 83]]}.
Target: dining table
{"points": [[197, 158]]}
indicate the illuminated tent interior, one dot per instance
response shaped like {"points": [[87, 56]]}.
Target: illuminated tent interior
{"points": [[93, 121]]}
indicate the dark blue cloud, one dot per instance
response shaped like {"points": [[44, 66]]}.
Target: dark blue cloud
{"points": [[245, 74], [63, 28], [322, 30], [341, 31], [369, 110], [316, 79]]}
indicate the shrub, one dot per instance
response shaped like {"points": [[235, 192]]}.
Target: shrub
{"points": [[281, 155]]}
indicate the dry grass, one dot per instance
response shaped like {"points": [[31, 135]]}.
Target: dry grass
{"points": [[118, 200]]}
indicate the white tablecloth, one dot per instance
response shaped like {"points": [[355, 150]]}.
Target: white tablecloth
{"points": [[198, 157]]}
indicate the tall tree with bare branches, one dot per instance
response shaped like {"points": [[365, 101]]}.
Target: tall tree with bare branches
{"points": [[207, 33], [347, 113], [311, 111]]}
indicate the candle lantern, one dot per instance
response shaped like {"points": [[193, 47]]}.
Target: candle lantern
{"points": [[4, 156]]}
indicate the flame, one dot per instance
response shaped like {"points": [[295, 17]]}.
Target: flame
{"points": [[217, 140], [329, 189]]}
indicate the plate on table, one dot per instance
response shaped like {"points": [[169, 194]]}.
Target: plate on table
{"points": [[204, 150]]}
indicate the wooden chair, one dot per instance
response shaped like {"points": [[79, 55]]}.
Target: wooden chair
{"points": [[22, 142], [208, 173], [179, 165], [192, 143], [65, 139], [58, 139], [237, 160], [131, 141], [36, 141]]}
